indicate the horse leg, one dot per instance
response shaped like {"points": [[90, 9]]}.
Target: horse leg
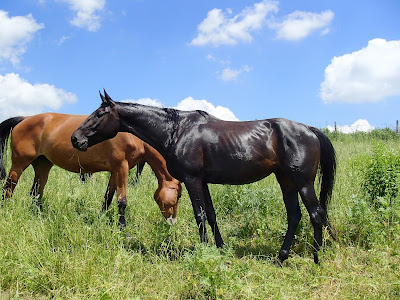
{"points": [[11, 183], [317, 215], [19, 164], [293, 211], [110, 192], [42, 167], [196, 194], [111, 187], [121, 183], [291, 200], [211, 216], [139, 170]]}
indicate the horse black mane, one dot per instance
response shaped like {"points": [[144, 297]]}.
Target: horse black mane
{"points": [[203, 113], [172, 115], [173, 119]]}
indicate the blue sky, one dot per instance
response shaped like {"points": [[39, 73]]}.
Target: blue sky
{"points": [[315, 62]]}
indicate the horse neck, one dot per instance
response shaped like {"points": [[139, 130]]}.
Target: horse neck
{"points": [[157, 164], [150, 124]]}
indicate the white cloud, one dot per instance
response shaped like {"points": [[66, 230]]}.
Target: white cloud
{"points": [[359, 125], [218, 29], [63, 39], [368, 75], [218, 60], [146, 101], [229, 74], [19, 97], [86, 13], [220, 112], [300, 24], [15, 33]]}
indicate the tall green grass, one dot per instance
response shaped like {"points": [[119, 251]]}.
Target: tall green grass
{"points": [[69, 250]]}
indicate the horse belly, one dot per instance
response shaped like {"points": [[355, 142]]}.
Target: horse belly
{"points": [[239, 161], [238, 172], [78, 162]]}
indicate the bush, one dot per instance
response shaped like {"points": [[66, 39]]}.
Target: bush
{"points": [[385, 134], [375, 216], [382, 174]]}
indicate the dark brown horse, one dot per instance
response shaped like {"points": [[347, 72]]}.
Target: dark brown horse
{"points": [[201, 149], [44, 140]]}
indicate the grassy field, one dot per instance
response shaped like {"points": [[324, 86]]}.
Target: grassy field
{"points": [[68, 251]]}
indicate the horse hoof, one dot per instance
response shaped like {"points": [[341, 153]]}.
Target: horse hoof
{"points": [[283, 255], [220, 245], [316, 259]]}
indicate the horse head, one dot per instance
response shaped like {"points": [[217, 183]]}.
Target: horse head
{"points": [[167, 198], [101, 125]]}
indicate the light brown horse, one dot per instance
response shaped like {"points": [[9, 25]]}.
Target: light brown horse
{"points": [[44, 140]]}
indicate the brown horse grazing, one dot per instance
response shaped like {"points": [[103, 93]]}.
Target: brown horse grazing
{"points": [[44, 140], [201, 149]]}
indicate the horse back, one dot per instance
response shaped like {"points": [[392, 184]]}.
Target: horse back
{"points": [[243, 152], [227, 152]]}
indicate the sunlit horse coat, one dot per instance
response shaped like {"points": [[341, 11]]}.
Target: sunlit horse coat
{"points": [[201, 149], [45, 139]]}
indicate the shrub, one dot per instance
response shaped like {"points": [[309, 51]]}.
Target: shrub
{"points": [[382, 174], [375, 216], [385, 134]]}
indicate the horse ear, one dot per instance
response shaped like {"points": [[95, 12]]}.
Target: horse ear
{"points": [[108, 98], [103, 100]]}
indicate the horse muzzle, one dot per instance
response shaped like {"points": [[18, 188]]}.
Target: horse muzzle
{"points": [[171, 220], [80, 144]]}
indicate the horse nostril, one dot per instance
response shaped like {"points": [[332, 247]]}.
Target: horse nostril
{"points": [[79, 143], [74, 140]]}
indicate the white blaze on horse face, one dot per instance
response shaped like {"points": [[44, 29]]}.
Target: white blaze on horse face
{"points": [[170, 220]]}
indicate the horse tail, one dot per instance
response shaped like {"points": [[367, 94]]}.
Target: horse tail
{"points": [[327, 169], [5, 130]]}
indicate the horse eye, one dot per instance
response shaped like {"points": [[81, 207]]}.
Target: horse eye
{"points": [[99, 113]]}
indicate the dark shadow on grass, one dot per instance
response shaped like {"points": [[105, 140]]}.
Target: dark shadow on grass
{"points": [[260, 251]]}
